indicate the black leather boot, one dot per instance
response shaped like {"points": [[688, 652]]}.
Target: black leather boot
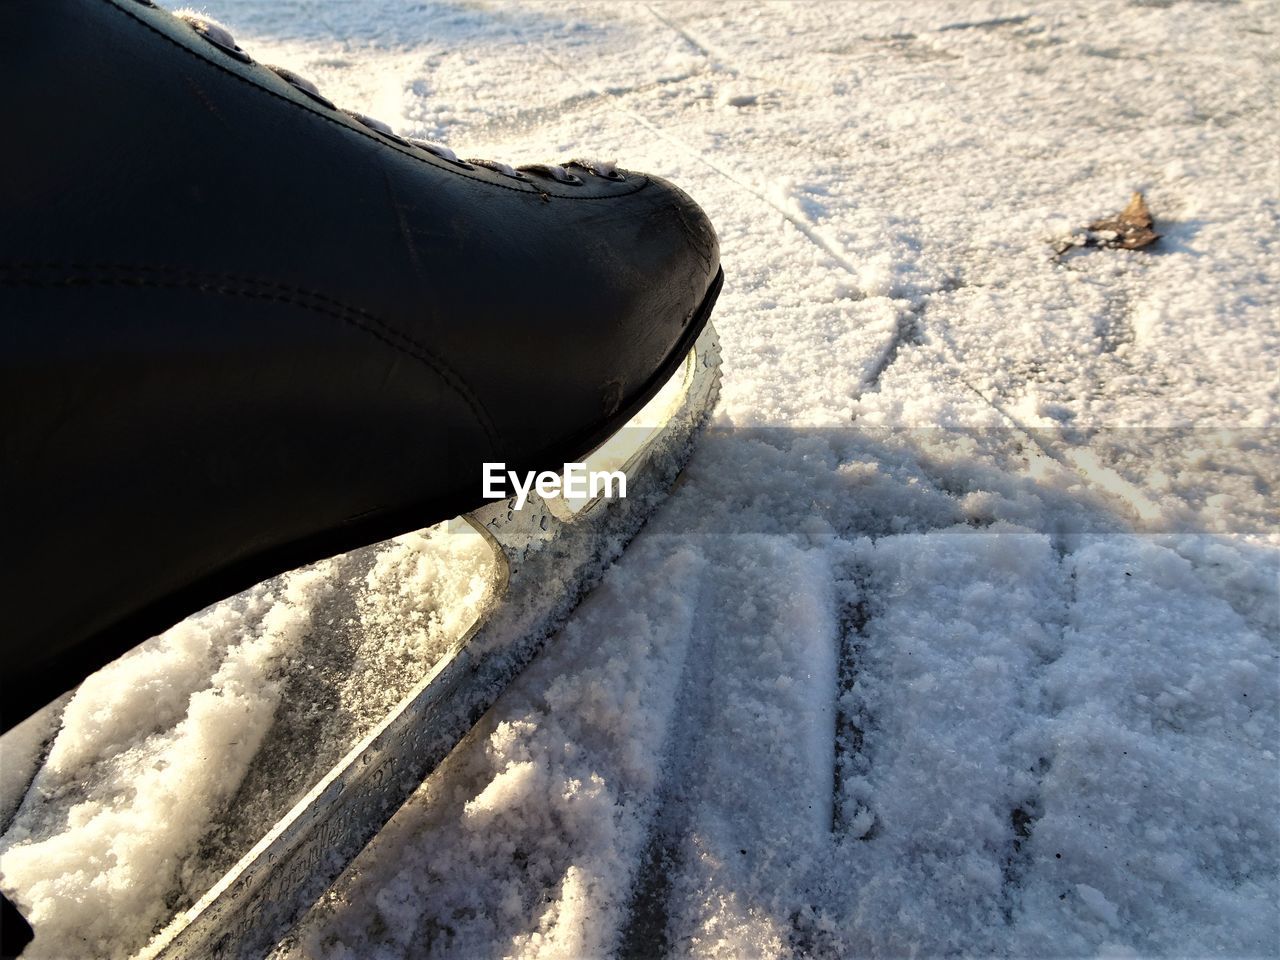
{"points": [[243, 329]]}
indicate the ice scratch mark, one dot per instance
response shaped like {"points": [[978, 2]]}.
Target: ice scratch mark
{"points": [[645, 929], [908, 332], [851, 817], [1024, 816], [986, 24]]}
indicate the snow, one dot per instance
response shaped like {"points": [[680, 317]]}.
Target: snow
{"points": [[961, 635], [172, 759]]}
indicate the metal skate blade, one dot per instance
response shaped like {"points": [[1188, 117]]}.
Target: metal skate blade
{"points": [[549, 556], [620, 451]]}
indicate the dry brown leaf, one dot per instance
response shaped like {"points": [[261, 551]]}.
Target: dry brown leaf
{"points": [[1130, 229]]}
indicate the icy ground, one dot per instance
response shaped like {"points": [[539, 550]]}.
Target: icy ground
{"points": [[961, 636]]}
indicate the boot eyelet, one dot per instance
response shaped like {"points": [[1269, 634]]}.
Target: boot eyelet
{"points": [[377, 126], [503, 168], [367, 121], [219, 37], [302, 84], [595, 170], [557, 173], [441, 151]]}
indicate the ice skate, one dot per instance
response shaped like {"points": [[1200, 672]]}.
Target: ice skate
{"points": [[245, 330]]}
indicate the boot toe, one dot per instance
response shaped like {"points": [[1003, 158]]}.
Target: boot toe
{"points": [[644, 268]]}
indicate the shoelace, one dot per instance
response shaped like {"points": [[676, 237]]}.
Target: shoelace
{"points": [[218, 35]]}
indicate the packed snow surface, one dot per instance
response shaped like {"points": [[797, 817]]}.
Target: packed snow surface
{"points": [[960, 636]]}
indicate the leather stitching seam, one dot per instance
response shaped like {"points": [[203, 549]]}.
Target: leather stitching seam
{"points": [[131, 275]]}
